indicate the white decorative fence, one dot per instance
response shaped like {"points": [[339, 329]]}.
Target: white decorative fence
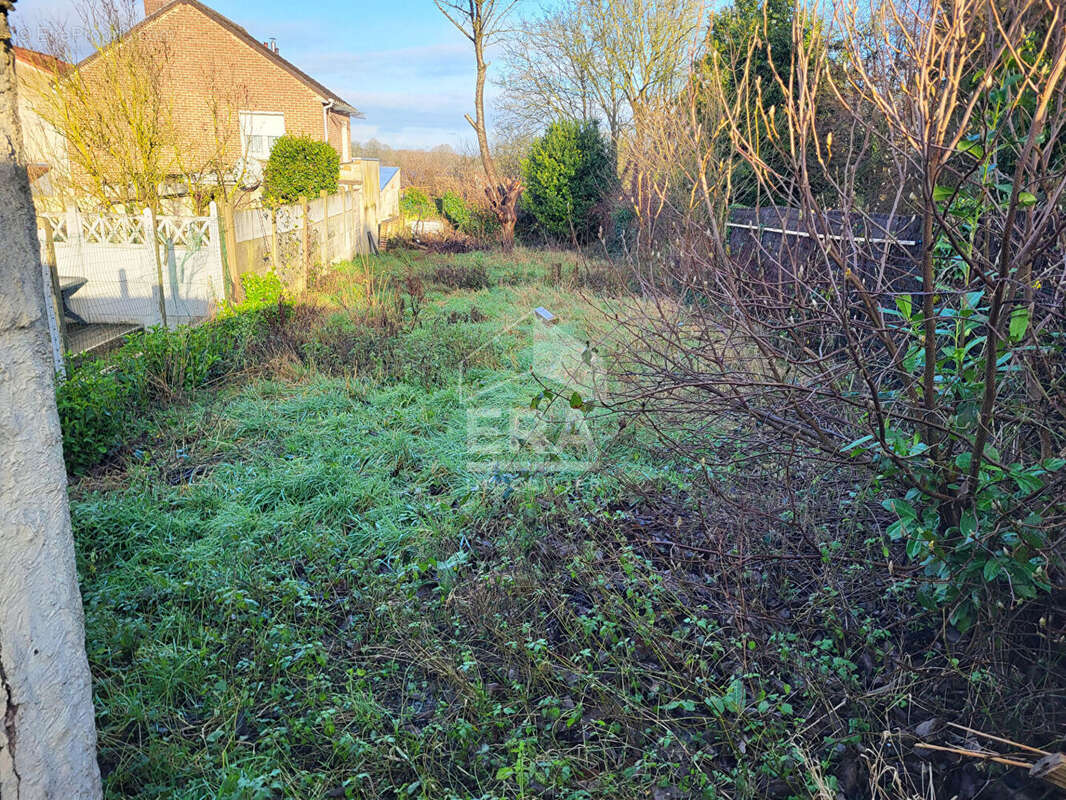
{"points": [[116, 256]]}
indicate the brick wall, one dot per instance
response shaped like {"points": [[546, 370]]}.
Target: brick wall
{"points": [[340, 134], [210, 75]]}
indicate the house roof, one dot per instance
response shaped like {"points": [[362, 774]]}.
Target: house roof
{"points": [[339, 104], [386, 174], [41, 61]]}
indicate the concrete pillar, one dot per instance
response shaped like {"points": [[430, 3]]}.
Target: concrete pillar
{"points": [[47, 732]]}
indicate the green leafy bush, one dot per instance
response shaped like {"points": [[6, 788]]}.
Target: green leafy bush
{"points": [[299, 165], [104, 401], [456, 210], [94, 405], [261, 290], [415, 204], [982, 477], [971, 555], [568, 172]]}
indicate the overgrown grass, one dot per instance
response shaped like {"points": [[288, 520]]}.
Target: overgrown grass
{"points": [[304, 581], [237, 565]]}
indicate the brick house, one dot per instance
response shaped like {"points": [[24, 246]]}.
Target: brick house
{"points": [[208, 57], [43, 146]]}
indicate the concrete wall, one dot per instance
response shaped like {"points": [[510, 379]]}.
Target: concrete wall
{"points": [[337, 231], [115, 255], [390, 198], [47, 736]]}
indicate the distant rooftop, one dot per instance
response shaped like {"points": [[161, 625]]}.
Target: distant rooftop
{"points": [[41, 61], [385, 174]]}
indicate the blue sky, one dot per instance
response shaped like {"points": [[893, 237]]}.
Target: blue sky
{"points": [[399, 61]]}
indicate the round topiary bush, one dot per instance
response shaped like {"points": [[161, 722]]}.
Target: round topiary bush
{"points": [[299, 165], [568, 171]]}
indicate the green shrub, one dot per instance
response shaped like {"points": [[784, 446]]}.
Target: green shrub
{"points": [[104, 401], [415, 204], [261, 290], [568, 172], [299, 165], [456, 211], [94, 404]]}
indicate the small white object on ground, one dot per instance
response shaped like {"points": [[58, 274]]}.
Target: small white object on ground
{"points": [[545, 316]]}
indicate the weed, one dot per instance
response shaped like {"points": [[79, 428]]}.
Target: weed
{"points": [[473, 276]]}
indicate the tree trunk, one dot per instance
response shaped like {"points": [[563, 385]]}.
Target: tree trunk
{"points": [[502, 198], [503, 202], [47, 737], [479, 112]]}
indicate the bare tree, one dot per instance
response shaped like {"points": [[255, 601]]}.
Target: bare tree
{"points": [[435, 171], [125, 143], [481, 21], [47, 736], [208, 160], [113, 110], [681, 167], [647, 47], [921, 339], [624, 62], [554, 71]]}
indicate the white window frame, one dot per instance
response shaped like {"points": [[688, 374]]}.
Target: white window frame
{"points": [[259, 131]]}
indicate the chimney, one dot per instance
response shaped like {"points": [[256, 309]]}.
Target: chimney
{"points": [[151, 6]]}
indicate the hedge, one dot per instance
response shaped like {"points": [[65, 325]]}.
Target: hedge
{"points": [[299, 165]]}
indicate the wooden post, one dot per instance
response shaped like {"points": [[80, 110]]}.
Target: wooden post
{"points": [[153, 240], [305, 245], [323, 237], [233, 290], [274, 239], [346, 205], [57, 292]]}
